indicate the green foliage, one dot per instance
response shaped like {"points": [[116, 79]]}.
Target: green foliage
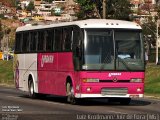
{"points": [[1, 32], [157, 8], [152, 81], [115, 9], [9, 3], [30, 7], [2, 16], [86, 9], [118, 9], [13, 2], [149, 28], [6, 72], [50, 1]]}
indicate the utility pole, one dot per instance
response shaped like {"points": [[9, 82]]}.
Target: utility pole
{"points": [[157, 43], [104, 9]]}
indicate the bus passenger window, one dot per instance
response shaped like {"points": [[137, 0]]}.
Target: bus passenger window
{"points": [[33, 41], [49, 40], [40, 41], [25, 43], [18, 42], [58, 39], [76, 38], [67, 36]]}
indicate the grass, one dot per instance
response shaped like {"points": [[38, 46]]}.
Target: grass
{"points": [[6, 72], [152, 77], [152, 81]]}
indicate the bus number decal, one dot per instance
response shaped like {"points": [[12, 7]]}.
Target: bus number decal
{"points": [[46, 59]]}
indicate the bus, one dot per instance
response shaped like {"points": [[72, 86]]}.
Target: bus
{"points": [[94, 58]]}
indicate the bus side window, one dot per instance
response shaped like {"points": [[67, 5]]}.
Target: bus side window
{"points": [[18, 42], [67, 38], [52, 37], [76, 48], [49, 40], [76, 40], [33, 41], [25, 43], [41, 41], [58, 39]]}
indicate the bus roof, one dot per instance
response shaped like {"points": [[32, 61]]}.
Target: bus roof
{"points": [[90, 23]]}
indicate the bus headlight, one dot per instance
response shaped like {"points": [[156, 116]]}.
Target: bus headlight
{"points": [[90, 80], [136, 80]]}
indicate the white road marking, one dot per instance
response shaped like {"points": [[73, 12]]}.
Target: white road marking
{"points": [[55, 103], [13, 97], [118, 112]]}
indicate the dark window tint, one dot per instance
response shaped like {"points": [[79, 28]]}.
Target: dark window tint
{"points": [[76, 37], [18, 42], [49, 36], [25, 43], [33, 41], [58, 39], [41, 41], [67, 39]]}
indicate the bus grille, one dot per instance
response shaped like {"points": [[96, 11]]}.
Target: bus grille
{"points": [[114, 91], [118, 81]]}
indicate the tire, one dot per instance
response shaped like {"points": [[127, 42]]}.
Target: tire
{"points": [[125, 101], [32, 93], [70, 93]]}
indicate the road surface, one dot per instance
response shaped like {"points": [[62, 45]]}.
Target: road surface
{"points": [[16, 105]]}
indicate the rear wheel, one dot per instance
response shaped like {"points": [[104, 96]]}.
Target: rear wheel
{"points": [[32, 93], [70, 93]]}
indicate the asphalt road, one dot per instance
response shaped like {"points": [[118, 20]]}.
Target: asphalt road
{"points": [[16, 105]]}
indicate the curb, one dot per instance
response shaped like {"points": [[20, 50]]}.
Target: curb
{"points": [[6, 85], [149, 96]]}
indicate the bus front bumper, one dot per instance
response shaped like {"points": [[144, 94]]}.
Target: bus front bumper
{"points": [[79, 95]]}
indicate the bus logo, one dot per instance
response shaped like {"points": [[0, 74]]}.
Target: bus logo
{"points": [[115, 79], [114, 74], [46, 59]]}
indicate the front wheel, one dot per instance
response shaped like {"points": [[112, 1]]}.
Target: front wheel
{"points": [[70, 93], [125, 101]]}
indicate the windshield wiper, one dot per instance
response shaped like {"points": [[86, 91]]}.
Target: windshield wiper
{"points": [[124, 63], [105, 61]]}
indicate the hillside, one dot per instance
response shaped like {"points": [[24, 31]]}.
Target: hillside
{"points": [[9, 3]]}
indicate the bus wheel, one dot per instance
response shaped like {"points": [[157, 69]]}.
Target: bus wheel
{"points": [[125, 101], [70, 93], [32, 94]]}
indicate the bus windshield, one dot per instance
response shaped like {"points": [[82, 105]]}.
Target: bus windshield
{"points": [[113, 50]]}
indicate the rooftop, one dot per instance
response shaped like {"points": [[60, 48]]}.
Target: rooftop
{"points": [[90, 23]]}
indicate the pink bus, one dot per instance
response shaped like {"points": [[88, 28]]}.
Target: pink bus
{"points": [[92, 58]]}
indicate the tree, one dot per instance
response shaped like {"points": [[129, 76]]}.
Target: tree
{"points": [[50, 1], [150, 30], [115, 9], [87, 9], [17, 4], [119, 9], [30, 6], [1, 33]]}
